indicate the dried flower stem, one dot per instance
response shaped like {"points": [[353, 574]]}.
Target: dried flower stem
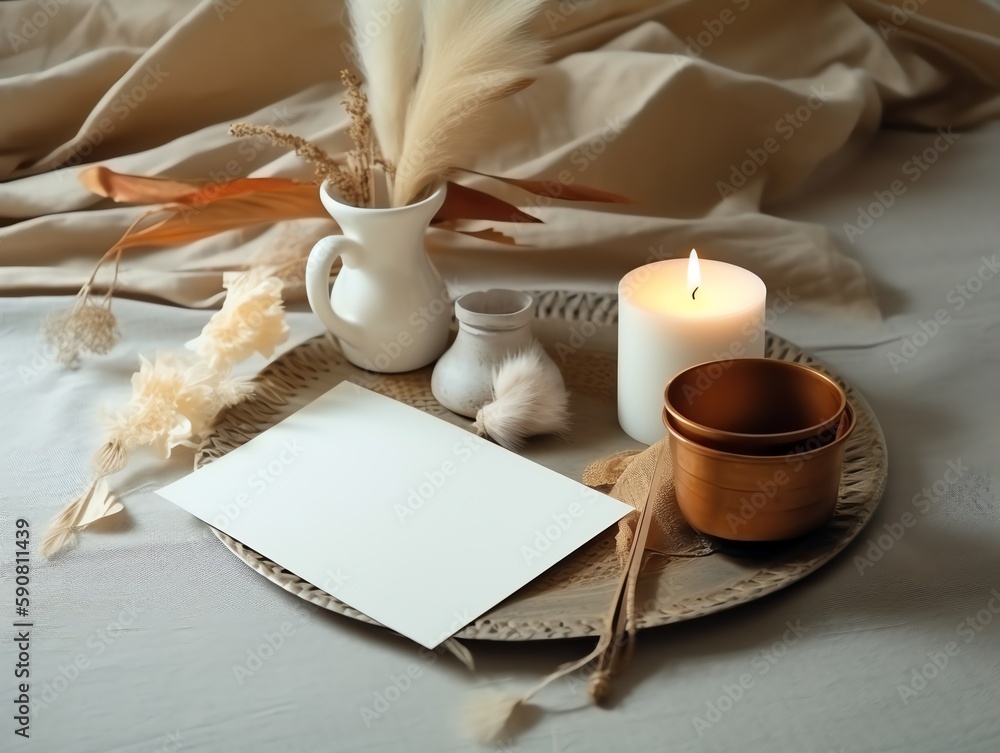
{"points": [[116, 251], [176, 397], [89, 327], [326, 166], [111, 457], [355, 179], [360, 159]]}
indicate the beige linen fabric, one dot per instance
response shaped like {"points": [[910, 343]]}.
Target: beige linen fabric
{"points": [[671, 103], [627, 476]]}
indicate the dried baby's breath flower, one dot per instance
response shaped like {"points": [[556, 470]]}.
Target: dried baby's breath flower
{"points": [[172, 404], [288, 269], [232, 390], [87, 327], [177, 397], [251, 320]]}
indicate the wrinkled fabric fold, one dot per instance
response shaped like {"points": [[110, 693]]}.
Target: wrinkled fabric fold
{"points": [[707, 114]]}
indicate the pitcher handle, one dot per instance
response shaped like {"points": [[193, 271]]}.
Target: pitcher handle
{"points": [[318, 267]]}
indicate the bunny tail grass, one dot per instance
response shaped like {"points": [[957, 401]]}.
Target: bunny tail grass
{"points": [[528, 399], [487, 713]]}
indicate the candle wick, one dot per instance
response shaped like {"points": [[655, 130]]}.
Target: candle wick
{"points": [[693, 292]]}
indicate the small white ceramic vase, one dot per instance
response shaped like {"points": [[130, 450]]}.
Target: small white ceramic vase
{"points": [[491, 325], [389, 308]]}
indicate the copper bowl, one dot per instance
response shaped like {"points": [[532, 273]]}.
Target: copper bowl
{"points": [[753, 405], [743, 497]]}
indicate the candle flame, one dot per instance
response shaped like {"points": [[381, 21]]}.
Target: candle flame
{"points": [[694, 273]]}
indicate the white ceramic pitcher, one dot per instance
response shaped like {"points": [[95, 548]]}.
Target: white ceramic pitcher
{"points": [[389, 308]]}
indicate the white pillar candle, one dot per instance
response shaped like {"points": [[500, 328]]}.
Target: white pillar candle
{"points": [[675, 314]]}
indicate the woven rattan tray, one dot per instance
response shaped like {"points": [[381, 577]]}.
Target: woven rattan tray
{"points": [[572, 598]]}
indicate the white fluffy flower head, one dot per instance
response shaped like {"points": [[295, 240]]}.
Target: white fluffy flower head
{"points": [[252, 320], [173, 402]]}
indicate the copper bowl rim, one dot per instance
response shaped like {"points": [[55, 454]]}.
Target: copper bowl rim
{"points": [[760, 459], [786, 437]]}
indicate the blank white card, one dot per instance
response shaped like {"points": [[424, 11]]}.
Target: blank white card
{"points": [[419, 524]]}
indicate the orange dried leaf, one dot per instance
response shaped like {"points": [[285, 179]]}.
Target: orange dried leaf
{"points": [[134, 189], [464, 203], [212, 192], [139, 189], [200, 209], [187, 224], [558, 190], [490, 234]]}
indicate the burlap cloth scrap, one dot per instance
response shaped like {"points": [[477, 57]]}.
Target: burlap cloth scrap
{"points": [[626, 476]]}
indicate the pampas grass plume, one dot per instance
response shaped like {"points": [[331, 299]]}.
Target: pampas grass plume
{"points": [[475, 52], [389, 59]]}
